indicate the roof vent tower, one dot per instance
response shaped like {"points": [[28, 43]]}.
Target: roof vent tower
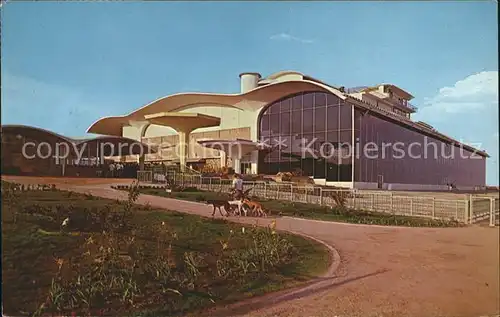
{"points": [[249, 81]]}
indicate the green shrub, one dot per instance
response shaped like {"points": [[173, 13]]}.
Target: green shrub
{"points": [[201, 198]]}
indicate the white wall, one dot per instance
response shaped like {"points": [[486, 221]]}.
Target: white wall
{"points": [[387, 186], [288, 77], [231, 118], [366, 97], [135, 131], [340, 184], [131, 132]]}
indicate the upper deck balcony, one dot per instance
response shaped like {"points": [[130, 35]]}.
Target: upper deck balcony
{"points": [[407, 104]]}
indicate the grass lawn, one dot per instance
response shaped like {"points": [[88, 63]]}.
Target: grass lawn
{"points": [[118, 259], [317, 212]]}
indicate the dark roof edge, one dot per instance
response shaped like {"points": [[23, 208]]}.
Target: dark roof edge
{"points": [[250, 73], [67, 139], [414, 125]]}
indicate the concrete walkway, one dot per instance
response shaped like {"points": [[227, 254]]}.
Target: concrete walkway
{"points": [[384, 271]]}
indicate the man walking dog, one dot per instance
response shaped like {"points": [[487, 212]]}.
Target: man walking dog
{"points": [[237, 187]]}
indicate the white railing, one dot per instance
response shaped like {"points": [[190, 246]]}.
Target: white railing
{"points": [[494, 211], [407, 104], [465, 209], [387, 202], [145, 176]]}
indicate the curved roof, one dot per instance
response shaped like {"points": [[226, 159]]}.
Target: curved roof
{"points": [[35, 132], [43, 134], [269, 79], [284, 72], [251, 100]]}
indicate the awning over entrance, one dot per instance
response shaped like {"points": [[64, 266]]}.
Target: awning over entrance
{"points": [[116, 146], [246, 146], [181, 121], [184, 124], [235, 149]]}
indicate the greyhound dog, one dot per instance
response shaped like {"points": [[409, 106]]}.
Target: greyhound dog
{"points": [[256, 207], [239, 206], [218, 204]]}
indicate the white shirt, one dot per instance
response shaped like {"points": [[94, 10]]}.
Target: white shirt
{"points": [[238, 184]]}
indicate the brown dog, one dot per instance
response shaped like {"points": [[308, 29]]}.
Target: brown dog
{"points": [[256, 207]]}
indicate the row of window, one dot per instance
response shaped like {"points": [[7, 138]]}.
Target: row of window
{"points": [[310, 167], [305, 128], [306, 117], [307, 121], [295, 121], [303, 101]]}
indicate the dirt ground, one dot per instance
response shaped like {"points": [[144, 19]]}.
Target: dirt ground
{"points": [[384, 271], [80, 181]]}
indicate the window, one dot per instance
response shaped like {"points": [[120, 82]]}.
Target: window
{"points": [[285, 123], [264, 125], [296, 122], [297, 103], [345, 117], [286, 106], [274, 123], [319, 100], [320, 119], [332, 100], [308, 101], [300, 119], [332, 118], [332, 137], [275, 108], [246, 167], [308, 121]]}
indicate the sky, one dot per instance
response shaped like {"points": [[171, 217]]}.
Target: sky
{"points": [[65, 65]]}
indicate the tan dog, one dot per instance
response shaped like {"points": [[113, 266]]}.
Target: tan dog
{"points": [[256, 207]]}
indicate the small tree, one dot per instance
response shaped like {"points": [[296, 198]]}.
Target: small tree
{"points": [[119, 219], [133, 195], [340, 198]]}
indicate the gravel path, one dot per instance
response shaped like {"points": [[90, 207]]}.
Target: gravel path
{"points": [[383, 271]]}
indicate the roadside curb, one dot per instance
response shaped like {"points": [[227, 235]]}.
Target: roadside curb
{"points": [[369, 225], [335, 255]]}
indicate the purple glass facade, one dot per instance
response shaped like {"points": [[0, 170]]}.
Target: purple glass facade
{"points": [[318, 119], [417, 159], [384, 150]]}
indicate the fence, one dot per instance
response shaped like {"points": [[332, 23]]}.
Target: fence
{"points": [[495, 212], [145, 176], [484, 208], [469, 209]]}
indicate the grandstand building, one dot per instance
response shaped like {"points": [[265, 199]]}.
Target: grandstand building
{"points": [[287, 121]]}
